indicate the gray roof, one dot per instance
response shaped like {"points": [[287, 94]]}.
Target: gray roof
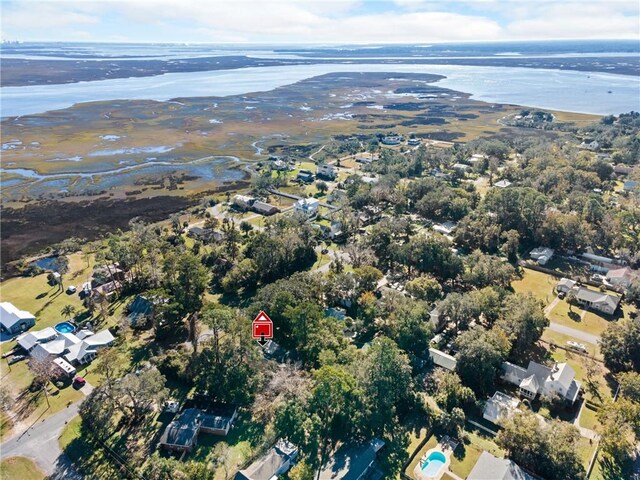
{"points": [[271, 464], [489, 467], [264, 207], [442, 359], [183, 429], [588, 295]]}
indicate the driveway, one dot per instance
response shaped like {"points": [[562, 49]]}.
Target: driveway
{"points": [[572, 332], [40, 443]]}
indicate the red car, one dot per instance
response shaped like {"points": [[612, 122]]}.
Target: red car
{"points": [[79, 381]]}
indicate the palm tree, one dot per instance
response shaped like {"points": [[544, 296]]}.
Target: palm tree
{"points": [[68, 311], [571, 297]]}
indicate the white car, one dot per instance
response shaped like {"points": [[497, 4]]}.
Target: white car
{"points": [[580, 347], [171, 406]]}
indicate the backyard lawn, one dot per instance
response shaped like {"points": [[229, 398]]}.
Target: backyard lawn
{"points": [[20, 468], [466, 455], [561, 339], [539, 284]]}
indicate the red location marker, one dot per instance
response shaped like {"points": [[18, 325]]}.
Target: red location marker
{"points": [[262, 328]]}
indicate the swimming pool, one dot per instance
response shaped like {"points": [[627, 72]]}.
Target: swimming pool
{"points": [[65, 327], [433, 464]]}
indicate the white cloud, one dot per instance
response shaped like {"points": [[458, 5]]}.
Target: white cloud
{"points": [[317, 21]]}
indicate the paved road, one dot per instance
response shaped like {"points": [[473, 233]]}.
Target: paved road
{"points": [[40, 443], [572, 332]]}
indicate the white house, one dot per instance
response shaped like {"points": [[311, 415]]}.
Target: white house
{"points": [[565, 285], [13, 320], [602, 302], [85, 350], [243, 201], [307, 206], [502, 184], [500, 407], [541, 254], [540, 379], [326, 171], [80, 347]]}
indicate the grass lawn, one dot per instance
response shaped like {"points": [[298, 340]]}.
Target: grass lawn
{"points": [[469, 450], [20, 468], [538, 283], [561, 339], [588, 416], [588, 322], [586, 449]]}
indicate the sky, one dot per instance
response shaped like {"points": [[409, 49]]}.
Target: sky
{"points": [[317, 21]]}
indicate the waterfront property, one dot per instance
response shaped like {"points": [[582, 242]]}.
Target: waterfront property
{"points": [[540, 379], [13, 320]]}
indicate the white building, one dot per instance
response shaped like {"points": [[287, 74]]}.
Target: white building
{"points": [[326, 171], [13, 320], [307, 206], [502, 184], [243, 201], [565, 285], [500, 407], [540, 379], [80, 347]]}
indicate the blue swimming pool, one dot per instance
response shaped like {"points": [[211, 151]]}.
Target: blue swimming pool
{"points": [[433, 464], [65, 327]]}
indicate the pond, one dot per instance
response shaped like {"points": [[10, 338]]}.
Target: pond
{"points": [[55, 263]]}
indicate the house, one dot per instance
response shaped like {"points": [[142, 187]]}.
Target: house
{"points": [[500, 407], [326, 171], [140, 308], [28, 341], [476, 158], [366, 157], [413, 142], [442, 359], [461, 168], [630, 185], [205, 235], [307, 206], [436, 319], [593, 145], [565, 285], [335, 229], [445, 228], [182, 433], [623, 277], [502, 184], [264, 208], [541, 254], [489, 467], [602, 302], [243, 202], [369, 180], [540, 379], [622, 169], [13, 320], [352, 462], [392, 140], [305, 176], [281, 166], [276, 462], [86, 349]]}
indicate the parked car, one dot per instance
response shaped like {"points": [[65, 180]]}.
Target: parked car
{"points": [[79, 382], [580, 347], [16, 359], [561, 295], [71, 289]]}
